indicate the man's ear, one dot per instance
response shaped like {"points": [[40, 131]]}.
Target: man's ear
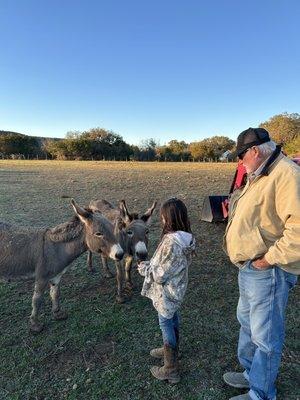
{"points": [[147, 216], [83, 214], [257, 153]]}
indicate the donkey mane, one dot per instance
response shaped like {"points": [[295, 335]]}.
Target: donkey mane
{"points": [[107, 204], [66, 232]]}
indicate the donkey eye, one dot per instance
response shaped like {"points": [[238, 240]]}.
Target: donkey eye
{"points": [[99, 234], [129, 233]]}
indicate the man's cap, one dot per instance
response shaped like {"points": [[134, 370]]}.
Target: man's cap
{"points": [[251, 137]]}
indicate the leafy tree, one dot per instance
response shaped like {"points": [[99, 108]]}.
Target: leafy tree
{"points": [[73, 134], [135, 153], [97, 143], [164, 153], [147, 150], [177, 147], [210, 148], [283, 128], [179, 150], [198, 150], [292, 148], [56, 149], [16, 143]]}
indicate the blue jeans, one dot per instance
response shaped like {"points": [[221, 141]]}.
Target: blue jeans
{"points": [[261, 314], [169, 329]]}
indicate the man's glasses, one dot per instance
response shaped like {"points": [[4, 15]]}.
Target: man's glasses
{"points": [[242, 155]]}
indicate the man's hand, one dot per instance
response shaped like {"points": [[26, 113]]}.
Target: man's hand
{"points": [[261, 263]]}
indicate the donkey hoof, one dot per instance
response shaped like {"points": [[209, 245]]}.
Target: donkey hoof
{"points": [[36, 327], [60, 315], [120, 299]]}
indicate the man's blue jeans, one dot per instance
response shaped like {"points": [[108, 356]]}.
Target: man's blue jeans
{"points": [[261, 313], [170, 329]]}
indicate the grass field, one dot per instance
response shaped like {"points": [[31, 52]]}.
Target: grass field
{"points": [[102, 350]]}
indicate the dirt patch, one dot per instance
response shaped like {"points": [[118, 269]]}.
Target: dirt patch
{"points": [[93, 290], [63, 358]]}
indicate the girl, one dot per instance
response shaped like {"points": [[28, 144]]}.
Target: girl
{"points": [[166, 277]]}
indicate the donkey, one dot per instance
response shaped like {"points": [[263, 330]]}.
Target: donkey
{"points": [[132, 234], [45, 254]]}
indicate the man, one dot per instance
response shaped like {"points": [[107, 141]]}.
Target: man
{"points": [[263, 239]]}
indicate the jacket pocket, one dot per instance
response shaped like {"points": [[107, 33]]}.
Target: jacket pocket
{"points": [[262, 248], [252, 246]]}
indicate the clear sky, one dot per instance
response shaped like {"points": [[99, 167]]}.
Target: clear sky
{"points": [[164, 69]]}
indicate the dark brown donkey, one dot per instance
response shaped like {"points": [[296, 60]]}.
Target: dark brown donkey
{"points": [[45, 254], [132, 234]]}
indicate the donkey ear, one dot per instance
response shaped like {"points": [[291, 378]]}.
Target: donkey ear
{"points": [[121, 224], [127, 218], [82, 213], [147, 216]]}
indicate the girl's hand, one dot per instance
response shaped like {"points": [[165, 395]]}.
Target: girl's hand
{"points": [[142, 267]]}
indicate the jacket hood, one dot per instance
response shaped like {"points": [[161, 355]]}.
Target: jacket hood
{"points": [[185, 239]]}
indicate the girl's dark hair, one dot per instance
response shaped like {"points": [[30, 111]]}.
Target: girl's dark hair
{"points": [[175, 215]]}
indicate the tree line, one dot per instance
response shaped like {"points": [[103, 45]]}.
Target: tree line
{"points": [[102, 144]]}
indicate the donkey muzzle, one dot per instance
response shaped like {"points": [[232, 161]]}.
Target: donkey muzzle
{"points": [[119, 255], [116, 252], [141, 257], [141, 251]]}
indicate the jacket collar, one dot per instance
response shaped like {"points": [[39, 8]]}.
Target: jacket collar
{"points": [[275, 156]]}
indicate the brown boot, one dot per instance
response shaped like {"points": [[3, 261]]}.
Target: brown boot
{"points": [[157, 353], [170, 370]]}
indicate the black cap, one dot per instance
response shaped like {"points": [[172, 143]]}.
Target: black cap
{"points": [[251, 137]]}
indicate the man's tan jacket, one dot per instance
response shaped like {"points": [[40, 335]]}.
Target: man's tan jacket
{"points": [[265, 218]]}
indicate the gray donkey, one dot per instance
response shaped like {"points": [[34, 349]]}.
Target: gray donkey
{"points": [[132, 234], [45, 254]]}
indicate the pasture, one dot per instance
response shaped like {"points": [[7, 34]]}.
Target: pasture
{"points": [[102, 350]]}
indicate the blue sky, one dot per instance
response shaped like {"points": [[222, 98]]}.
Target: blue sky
{"points": [[167, 70]]}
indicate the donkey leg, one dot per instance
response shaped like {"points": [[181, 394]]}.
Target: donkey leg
{"points": [[35, 325], [107, 273], [57, 312], [128, 281], [120, 297], [89, 262]]}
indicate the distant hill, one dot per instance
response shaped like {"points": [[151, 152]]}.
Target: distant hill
{"points": [[39, 139], [11, 133]]}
